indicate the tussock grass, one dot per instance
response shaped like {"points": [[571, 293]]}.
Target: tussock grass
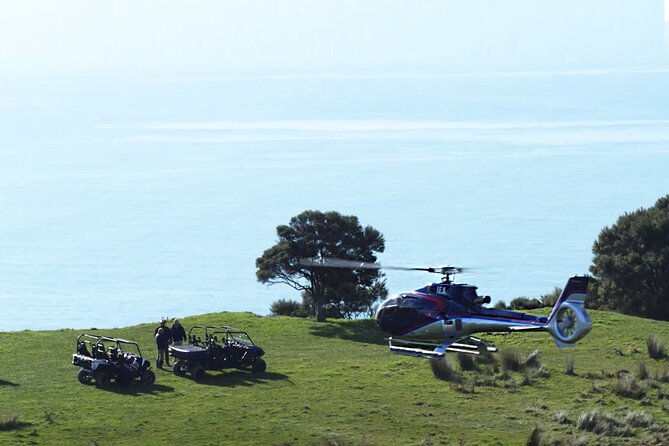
{"points": [[512, 360], [629, 386], [569, 366], [561, 417], [442, 369], [10, 423], [656, 349], [643, 371], [466, 361], [603, 423]]}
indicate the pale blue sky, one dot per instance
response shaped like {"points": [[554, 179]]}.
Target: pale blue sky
{"points": [[135, 39]]}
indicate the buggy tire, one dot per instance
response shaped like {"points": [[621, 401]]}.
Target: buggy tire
{"points": [[85, 377], [102, 379], [148, 377], [198, 373], [180, 368], [259, 366]]}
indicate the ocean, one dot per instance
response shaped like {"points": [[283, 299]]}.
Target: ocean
{"points": [[126, 200]]}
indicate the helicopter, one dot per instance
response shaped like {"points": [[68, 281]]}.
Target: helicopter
{"points": [[442, 317]]}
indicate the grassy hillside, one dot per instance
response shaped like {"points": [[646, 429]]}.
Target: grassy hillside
{"points": [[336, 383]]}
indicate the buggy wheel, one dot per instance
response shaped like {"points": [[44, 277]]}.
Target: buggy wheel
{"points": [[180, 368], [259, 366], [85, 377], [148, 377], [198, 373], [102, 379]]}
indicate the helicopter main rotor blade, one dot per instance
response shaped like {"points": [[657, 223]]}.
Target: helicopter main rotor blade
{"points": [[328, 262]]}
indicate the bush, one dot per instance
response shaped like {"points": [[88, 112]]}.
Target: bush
{"points": [[500, 305], [549, 300], [656, 349], [287, 307], [525, 303]]}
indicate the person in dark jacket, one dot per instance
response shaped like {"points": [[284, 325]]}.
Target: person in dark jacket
{"points": [[162, 345], [178, 333]]}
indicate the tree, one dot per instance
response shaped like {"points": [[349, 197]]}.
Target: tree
{"points": [[631, 263], [325, 234]]}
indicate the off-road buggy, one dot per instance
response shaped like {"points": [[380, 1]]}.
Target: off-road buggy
{"points": [[216, 348], [103, 359]]}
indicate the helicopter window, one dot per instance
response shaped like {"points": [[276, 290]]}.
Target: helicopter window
{"points": [[470, 294]]}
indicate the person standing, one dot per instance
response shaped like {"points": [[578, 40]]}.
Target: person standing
{"points": [[178, 333], [162, 345]]}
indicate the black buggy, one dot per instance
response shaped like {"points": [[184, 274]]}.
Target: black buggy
{"points": [[103, 358], [216, 348]]}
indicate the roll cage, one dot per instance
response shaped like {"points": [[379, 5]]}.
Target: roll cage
{"points": [[209, 335], [105, 347]]}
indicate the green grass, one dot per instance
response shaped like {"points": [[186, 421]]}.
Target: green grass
{"points": [[332, 383]]}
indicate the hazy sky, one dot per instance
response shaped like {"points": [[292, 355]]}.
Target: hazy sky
{"points": [[130, 39]]}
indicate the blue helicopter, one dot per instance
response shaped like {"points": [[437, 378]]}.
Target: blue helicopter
{"points": [[442, 317]]}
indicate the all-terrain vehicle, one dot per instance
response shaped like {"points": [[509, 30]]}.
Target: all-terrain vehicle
{"points": [[216, 348], [103, 359]]}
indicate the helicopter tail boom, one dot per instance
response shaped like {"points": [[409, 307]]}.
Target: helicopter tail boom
{"points": [[569, 322]]}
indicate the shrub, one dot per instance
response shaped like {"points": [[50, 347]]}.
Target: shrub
{"points": [[287, 307], [549, 300], [500, 305], [525, 303], [656, 349]]}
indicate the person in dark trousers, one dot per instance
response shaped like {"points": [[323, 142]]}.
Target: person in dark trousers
{"points": [[166, 338], [162, 345], [178, 333]]}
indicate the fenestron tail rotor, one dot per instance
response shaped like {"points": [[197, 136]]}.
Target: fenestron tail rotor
{"points": [[329, 262]]}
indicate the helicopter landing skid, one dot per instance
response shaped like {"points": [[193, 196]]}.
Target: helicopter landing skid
{"points": [[428, 350]]}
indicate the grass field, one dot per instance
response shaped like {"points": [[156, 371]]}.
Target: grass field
{"points": [[335, 383]]}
